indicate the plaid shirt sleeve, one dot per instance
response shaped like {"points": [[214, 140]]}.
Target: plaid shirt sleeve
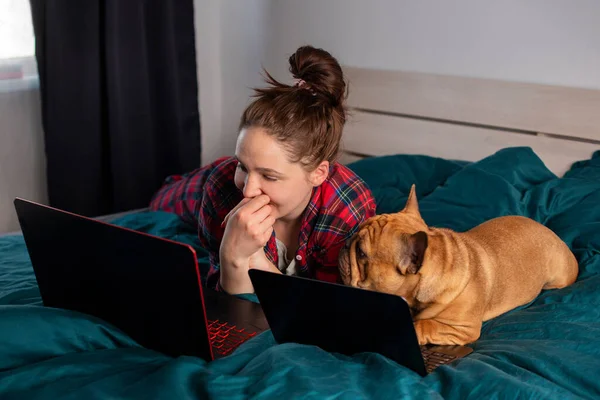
{"points": [[202, 197], [345, 202], [220, 196], [210, 234], [181, 194]]}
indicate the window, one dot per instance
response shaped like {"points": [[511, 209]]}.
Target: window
{"points": [[18, 69]]}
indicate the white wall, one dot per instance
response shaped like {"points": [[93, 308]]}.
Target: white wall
{"points": [[540, 41], [207, 21], [231, 43], [22, 157]]}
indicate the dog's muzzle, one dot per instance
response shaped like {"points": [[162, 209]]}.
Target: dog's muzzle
{"points": [[344, 261]]}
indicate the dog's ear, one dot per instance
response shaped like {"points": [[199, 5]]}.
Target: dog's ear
{"points": [[412, 205], [417, 244]]}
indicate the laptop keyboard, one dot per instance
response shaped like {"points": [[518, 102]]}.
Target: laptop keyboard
{"points": [[434, 359], [225, 338]]}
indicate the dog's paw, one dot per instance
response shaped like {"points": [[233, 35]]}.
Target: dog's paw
{"points": [[430, 331], [420, 330]]}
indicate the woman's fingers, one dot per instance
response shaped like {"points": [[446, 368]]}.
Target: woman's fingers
{"points": [[265, 224], [245, 214], [234, 209], [261, 221], [256, 203], [252, 205], [265, 229], [260, 215], [253, 219], [266, 235]]}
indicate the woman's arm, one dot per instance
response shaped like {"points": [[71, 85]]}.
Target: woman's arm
{"points": [[247, 230], [234, 277], [260, 261], [234, 274]]}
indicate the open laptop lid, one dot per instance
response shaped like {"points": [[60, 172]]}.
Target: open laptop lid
{"points": [[146, 286], [338, 318]]}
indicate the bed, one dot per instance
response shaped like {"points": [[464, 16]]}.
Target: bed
{"points": [[475, 149]]}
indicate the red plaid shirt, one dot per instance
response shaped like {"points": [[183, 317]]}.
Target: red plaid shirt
{"points": [[204, 196]]}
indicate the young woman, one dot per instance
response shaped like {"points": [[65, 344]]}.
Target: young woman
{"points": [[282, 203]]}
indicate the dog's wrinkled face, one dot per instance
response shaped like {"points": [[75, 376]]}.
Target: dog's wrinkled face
{"points": [[386, 253]]}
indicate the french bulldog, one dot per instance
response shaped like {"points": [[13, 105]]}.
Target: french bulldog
{"points": [[452, 281]]}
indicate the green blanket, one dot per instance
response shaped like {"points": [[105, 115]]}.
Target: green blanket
{"points": [[549, 348]]}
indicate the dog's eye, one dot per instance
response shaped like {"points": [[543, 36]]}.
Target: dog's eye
{"points": [[361, 254]]}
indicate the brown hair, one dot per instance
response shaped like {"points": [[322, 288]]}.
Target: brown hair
{"points": [[308, 117]]}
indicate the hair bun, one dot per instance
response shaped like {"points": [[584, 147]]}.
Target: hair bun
{"points": [[321, 73]]}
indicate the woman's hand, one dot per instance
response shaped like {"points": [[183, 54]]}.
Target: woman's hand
{"points": [[248, 228], [260, 261]]}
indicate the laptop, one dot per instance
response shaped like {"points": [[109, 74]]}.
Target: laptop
{"points": [[146, 286], [346, 320]]}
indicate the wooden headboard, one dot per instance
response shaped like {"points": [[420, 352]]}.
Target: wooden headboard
{"points": [[467, 119]]}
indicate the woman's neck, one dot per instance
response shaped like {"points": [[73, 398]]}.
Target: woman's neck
{"points": [[288, 233], [287, 229], [295, 216]]}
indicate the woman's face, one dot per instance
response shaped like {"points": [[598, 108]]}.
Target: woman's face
{"points": [[263, 168]]}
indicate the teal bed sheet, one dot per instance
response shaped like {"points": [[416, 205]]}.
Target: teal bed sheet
{"points": [[548, 349]]}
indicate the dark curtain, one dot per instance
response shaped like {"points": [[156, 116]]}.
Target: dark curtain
{"points": [[119, 99]]}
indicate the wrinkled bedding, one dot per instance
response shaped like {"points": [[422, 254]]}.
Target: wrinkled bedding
{"points": [[549, 348]]}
